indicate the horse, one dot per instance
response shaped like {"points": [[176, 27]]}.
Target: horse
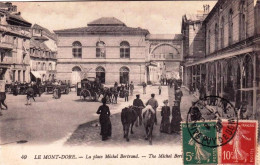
{"points": [[128, 118], [148, 121]]}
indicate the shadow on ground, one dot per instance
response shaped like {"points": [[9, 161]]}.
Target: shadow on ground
{"points": [[89, 134]]}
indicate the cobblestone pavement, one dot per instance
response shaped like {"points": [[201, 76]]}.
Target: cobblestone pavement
{"points": [[88, 133]]}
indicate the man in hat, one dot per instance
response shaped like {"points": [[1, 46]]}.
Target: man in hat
{"points": [[154, 103], [132, 87], [139, 105]]}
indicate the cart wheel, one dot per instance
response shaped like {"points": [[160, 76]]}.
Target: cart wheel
{"points": [[67, 91]]}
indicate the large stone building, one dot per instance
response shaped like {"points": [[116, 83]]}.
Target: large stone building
{"points": [[228, 64], [106, 49], [43, 52], [14, 43], [165, 55]]}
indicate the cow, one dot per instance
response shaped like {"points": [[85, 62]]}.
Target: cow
{"points": [[128, 118], [148, 120]]}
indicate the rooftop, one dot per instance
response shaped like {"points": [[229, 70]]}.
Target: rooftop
{"points": [[105, 25], [106, 21], [47, 31], [164, 37], [38, 45]]}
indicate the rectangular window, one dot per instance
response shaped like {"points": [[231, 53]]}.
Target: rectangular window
{"points": [[13, 75], [19, 76], [24, 76]]}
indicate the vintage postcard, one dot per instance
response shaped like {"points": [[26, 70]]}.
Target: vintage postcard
{"points": [[129, 82]]}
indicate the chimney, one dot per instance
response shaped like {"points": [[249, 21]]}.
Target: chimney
{"points": [[206, 9], [14, 8]]}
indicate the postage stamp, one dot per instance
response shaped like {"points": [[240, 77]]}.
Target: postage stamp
{"points": [[194, 152], [242, 149], [212, 108]]}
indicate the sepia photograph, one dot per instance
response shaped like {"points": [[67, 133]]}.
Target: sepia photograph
{"points": [[130, 82]]}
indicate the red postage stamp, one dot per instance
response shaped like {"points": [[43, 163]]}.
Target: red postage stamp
{"points": [[242, 149]]}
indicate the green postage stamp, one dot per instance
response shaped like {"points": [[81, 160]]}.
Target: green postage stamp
{"points": [[196, 138]]}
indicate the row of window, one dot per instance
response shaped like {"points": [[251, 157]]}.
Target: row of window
{"points": [[242, 28], [101, 49], [10, 40], [20, 76], [42, 53], [43, 66]]}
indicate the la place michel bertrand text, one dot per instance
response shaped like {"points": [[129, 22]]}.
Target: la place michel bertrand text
{"points": [[107, 156]]}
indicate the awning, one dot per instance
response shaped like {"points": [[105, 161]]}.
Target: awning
{"points": [[36, 74]]}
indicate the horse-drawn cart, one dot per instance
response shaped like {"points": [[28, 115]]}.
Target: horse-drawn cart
{"points": [[88, 89]]}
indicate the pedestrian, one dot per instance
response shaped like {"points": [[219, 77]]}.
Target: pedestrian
{"points": [[154, 103], [178, 94], [3, 95], [160, 89], [132, 88], [242, 111], [171, 82], [126, 94], [176, 118], [144, 87], [139, 105], [104, 120], [15, 89], [29, 95], [115, 96], [195, 114], [202, 91], [165, 123]]}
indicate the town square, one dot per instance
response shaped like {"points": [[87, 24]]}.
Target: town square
{"points": [[76, 76]]}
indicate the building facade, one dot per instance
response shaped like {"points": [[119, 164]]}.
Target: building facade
{"points": [[106, 49], [165, 55], [229, 64], [43, 52], [14, 43]]}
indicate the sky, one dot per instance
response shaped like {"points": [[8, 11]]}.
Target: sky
{"points": [[158, 17]]}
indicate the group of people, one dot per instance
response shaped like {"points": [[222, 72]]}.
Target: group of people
{"points": [[165, 127], [123, 91]]}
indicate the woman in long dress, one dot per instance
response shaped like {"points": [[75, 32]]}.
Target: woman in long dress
{"points": [[165, 113], [104, 119], [176, 118]]}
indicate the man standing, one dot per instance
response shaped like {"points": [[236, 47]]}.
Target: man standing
{"points": [[160, 89], [131, 88], [144, 88], [139, 105], [154, 103]]}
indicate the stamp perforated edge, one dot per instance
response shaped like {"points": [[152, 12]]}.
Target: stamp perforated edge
{"points": [[256, 140]]}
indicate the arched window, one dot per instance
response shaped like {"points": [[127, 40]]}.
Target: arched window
{"points": [[124, 75], [50, 66], [248, 78], [216, 37], [101, 74], [44, 66], [230, 27], [124, 50], [76, 75], [77, 49], [222, 32], [100, 49], [242, 20], [76, 69]]}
